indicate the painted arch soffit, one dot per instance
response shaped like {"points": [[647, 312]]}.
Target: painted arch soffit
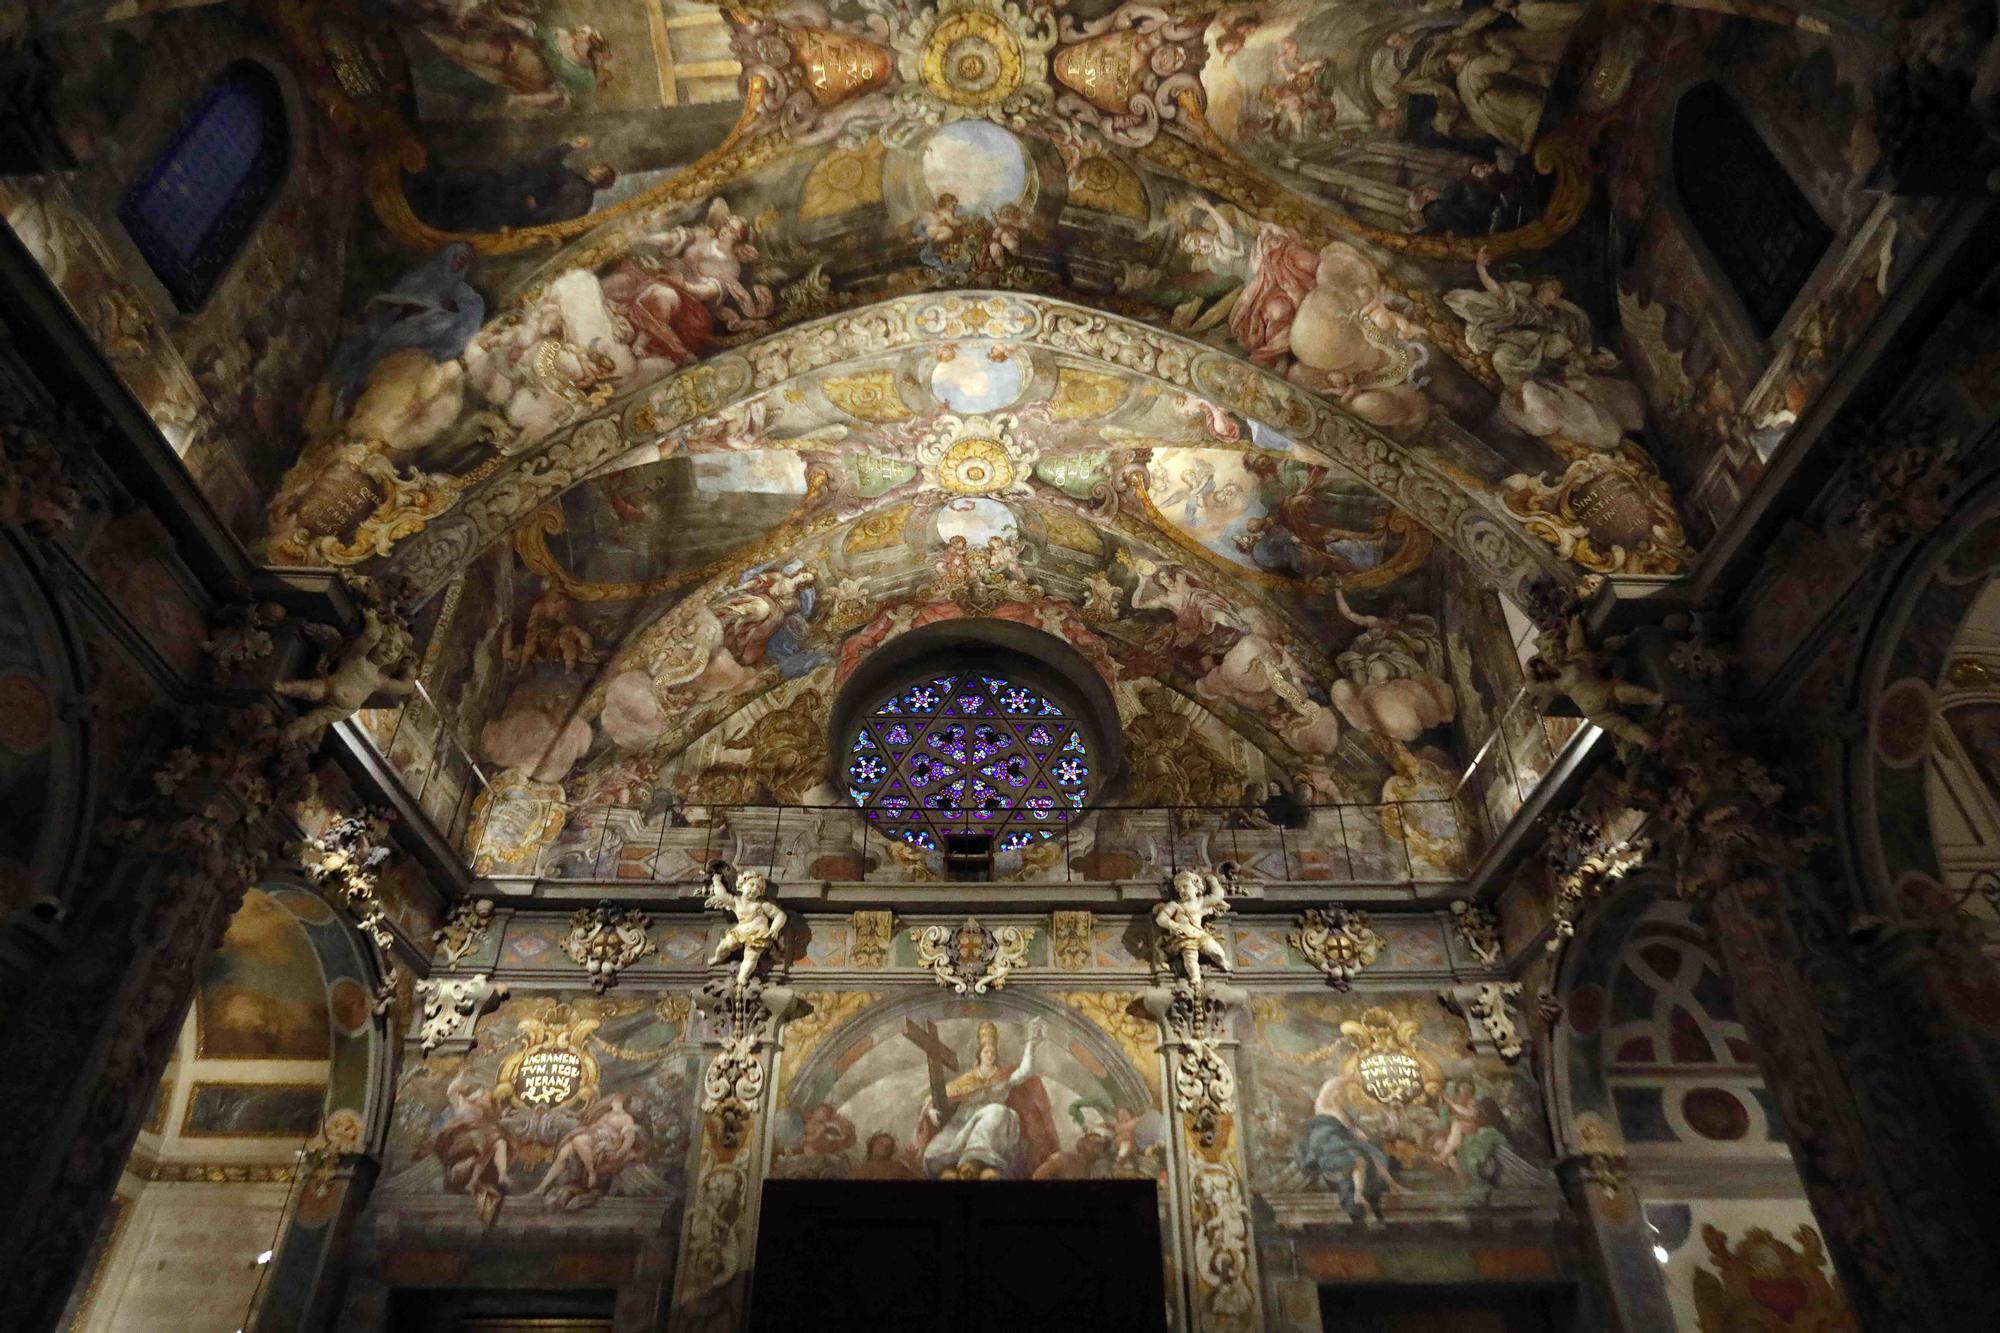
{"points": [[706, 407]]}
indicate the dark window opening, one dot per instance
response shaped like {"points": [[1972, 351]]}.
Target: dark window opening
{"points": [[195, 208], [1747, 210]]}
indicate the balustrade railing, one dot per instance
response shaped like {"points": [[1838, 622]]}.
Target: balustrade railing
{"points": [[1395, 842], [526, 833]]}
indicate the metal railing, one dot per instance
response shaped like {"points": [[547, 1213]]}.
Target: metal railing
{"points": [[1394, 842], [1417, 841], [441, 777], [1512, 763]]}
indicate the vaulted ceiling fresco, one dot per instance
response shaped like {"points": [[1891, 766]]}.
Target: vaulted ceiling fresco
{"points": [[685, 354]]}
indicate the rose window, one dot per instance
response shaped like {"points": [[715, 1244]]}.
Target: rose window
{"points": [[969, 755]]}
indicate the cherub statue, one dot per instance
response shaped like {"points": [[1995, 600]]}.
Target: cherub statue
{"points": [[380, 660], [1194, 898], [1568, 665], [760, 923]]}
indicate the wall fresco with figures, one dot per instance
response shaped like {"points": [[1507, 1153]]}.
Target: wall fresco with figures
{"points": [[573, 1122], [569, 1103], [1041, 1093], [1370, 1107]]}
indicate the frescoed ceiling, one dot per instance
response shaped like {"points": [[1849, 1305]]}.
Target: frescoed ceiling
{"points": [[686, 353], [1144, 165]]}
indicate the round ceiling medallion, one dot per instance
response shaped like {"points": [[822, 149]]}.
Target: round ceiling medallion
{"points": [[975, 466], [971, 60]]}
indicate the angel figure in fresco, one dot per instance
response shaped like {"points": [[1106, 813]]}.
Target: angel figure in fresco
{"points": [[1335, 1150], [510, 49], [589, 1157], [1327, 320], [1554, 376], [1194, 898], [471, 1146], [1474, 1141], [716, 647], [1393, 684], [760, 923], [991, 1122], [677, 283], [432, 309]]}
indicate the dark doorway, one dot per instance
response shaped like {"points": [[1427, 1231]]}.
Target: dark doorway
{"points": [[450, 1310], [970, 1256], [1462, 1309]]}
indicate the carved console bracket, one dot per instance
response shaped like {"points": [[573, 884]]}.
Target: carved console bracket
{"points": [[1488, 1010], [1072, 939], [464, 932], [451, 1009], [1478, 931], [870, 935]]}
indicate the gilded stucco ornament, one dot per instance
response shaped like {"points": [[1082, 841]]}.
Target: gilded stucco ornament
{"points": [[1125, 74], [1903, 471], [606, 939], [1182, 935], [345, 860], [976, 455], [1339, 941], [976, 58], [451, 1006], [1610, 512], [759, 923], [1478, 930], [870, 935], [1072, 938], [1488, 1010], [1597, 1154], [468, 928], [971, 959], [1584, 862]]}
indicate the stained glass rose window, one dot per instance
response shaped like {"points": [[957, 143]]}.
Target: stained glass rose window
{"points": [[969, 753]]}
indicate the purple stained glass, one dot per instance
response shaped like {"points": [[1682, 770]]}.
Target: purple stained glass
{"points": [[933, 762]]}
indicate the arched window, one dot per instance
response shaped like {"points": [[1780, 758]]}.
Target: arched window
{"points": [[1757, 223], [193, 210]]}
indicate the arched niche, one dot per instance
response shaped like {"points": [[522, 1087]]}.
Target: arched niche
{"points": [[1650, 1055], [219, 1209]]}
